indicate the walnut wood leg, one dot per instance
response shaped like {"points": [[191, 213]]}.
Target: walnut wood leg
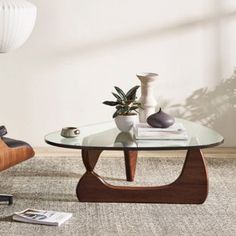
{"points": [[130, 164], [90, 158], [191, 187]]}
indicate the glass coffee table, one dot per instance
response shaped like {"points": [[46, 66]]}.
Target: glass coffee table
{"points": [[191, 187]]}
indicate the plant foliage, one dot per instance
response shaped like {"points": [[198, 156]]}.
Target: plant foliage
{"points": [[125, 103]]}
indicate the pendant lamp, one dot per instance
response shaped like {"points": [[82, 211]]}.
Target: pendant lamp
{"points": [[17, 19]]}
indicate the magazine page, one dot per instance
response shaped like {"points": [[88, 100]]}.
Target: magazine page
{"points": [[41, 217]]}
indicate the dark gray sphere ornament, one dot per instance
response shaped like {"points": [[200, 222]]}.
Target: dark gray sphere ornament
{"points": [[160, 120]]}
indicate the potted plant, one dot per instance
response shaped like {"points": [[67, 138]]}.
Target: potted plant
{"points": [[126, 108]]}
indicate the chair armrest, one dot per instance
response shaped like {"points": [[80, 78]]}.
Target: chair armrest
{"points": [[10, 156], [3, 144]]}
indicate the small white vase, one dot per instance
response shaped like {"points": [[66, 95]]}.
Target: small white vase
{"points": [[147, 99], [126, 122]]}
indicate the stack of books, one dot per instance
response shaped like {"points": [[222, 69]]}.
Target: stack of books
{"points": [[175, 132]]}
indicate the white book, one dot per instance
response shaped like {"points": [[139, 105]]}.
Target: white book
{"points": [[163, 137], [175, 132], [144, 127], [161, 143], [35, 216]]}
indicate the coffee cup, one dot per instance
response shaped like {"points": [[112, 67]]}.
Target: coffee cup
{"points": [[70, 132]]}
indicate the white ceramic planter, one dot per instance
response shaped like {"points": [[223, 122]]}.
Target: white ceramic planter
{"points": [[125, 123], [147, 99]]}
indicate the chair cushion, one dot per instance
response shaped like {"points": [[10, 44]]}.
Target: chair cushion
{"points": [[3, 130], [13, 152], [12, 143]]}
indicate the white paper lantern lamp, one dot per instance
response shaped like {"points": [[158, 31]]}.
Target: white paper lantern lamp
{"points": [[17, 19]]}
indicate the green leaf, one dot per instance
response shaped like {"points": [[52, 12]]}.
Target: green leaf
{"points": [[119, 107], [137, 103], [110, 103], [121, 93], [133, 108], [125, 110], [116, 113], [131, 94], [117, 96]]}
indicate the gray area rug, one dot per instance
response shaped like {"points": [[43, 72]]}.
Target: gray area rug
{"points": [[49, 183]]}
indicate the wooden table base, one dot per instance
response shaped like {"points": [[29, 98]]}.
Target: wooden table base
{"points": [[191, 187]]}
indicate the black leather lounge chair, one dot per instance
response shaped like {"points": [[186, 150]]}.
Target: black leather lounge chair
{"points": [[12, 152]]}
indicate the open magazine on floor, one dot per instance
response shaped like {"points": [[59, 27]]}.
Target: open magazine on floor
{"points": [[44, 217]]}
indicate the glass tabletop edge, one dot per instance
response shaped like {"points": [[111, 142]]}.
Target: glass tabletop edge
{"points": [[134, 148]]}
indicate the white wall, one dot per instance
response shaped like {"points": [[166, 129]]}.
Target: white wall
{"points": [[80, 49]]}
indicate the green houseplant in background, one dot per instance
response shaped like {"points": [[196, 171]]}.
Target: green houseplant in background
{"points": [[126, 106]]}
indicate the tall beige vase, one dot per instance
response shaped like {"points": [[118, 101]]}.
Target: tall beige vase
{"points": [[147, 98]]}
